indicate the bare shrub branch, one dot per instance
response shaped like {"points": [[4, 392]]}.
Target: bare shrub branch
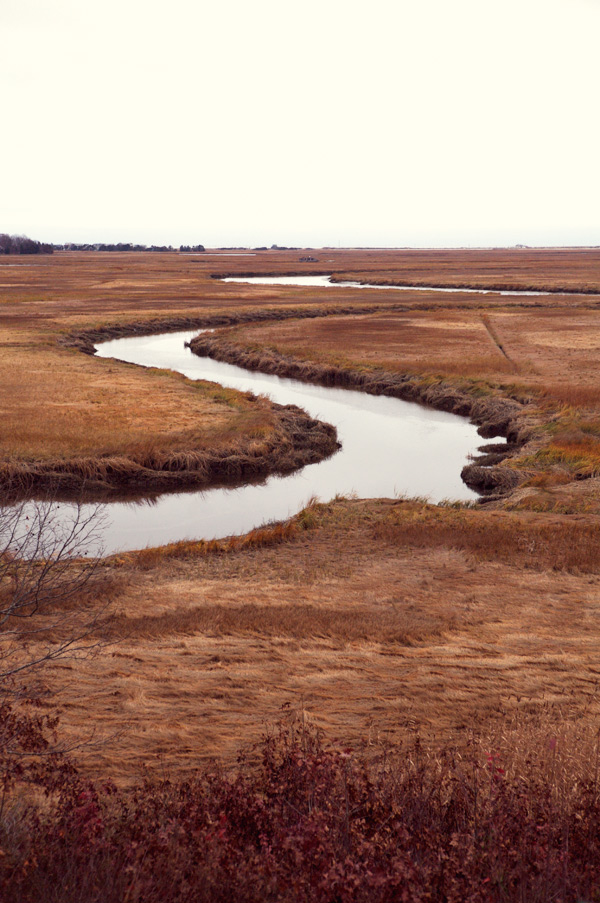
{"points": [[48, 593]]}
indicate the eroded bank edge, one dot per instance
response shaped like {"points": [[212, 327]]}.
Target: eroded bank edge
{"points": [[297, 440], [495, 415], [300, 440]]}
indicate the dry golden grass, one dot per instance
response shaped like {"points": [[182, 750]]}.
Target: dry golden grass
{"points": [[382, 618], [386, 616], [57, 403], [116, 409], [543, 356], [548, 269], [440, 342], [78, 284], [544, 350]]}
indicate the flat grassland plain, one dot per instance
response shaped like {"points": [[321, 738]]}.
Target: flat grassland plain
{"points": [[379, 618]]}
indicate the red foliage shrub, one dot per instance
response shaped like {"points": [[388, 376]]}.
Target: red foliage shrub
{"points": [[311, 824]]}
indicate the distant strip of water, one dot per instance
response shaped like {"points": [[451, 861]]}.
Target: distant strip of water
{"points": [[325, 281]]}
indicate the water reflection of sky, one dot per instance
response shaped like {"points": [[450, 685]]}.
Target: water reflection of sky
{"points": [[326, 281], [389, 448]]}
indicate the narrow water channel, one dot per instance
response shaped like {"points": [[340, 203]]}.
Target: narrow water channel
{"points": [[325, 281], [389, 448]]}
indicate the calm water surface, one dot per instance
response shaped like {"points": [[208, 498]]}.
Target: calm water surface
{"points": [[389, 448], [326, 281]]}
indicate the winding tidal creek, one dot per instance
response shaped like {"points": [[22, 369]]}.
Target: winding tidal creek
{"points": [[389, 448]]}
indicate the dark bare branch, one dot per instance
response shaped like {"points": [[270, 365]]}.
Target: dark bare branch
{"points": [[49, 556]]}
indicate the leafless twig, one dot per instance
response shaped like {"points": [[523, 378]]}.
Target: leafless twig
{"points": [[48, 565]]}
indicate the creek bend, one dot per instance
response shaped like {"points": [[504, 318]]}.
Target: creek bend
{"points": [[389, 448]]}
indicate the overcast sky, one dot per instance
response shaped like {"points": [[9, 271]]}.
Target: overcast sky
{"points": [[406, 123]]}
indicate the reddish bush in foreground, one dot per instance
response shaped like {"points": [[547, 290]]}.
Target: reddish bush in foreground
{"points": [[310, 823]]}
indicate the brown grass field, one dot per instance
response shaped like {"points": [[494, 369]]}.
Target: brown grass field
{"points": [[379, 618]]}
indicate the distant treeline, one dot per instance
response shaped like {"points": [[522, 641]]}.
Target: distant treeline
{"points": [[123, 246], [20, 244]]}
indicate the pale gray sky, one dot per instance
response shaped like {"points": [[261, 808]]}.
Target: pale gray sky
{"points": [[472, 122]]}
